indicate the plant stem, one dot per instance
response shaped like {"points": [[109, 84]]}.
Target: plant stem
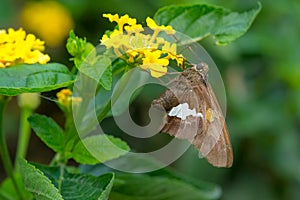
{"points": [[4, 197], [24, 134], [61, 175], [8, 167]]}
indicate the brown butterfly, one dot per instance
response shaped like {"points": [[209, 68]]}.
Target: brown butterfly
{"points": [[193, 113]]}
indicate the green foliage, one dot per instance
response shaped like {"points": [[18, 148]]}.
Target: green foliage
{"points": [[200, 20], [8, 192], [79, 48], [79, 186], [75, 45], [153, 188], [37, 183], [97, 67], [33, 78], [106, 77], [101, 148], [135, 187], [48, 131], [157, 185], [53, 183]]}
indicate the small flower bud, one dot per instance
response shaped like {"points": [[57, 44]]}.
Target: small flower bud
{"points": [[29, 100]]}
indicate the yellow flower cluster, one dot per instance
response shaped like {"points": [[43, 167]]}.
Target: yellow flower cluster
{"points": [[17, 47], [65, 98], [149, 51]]}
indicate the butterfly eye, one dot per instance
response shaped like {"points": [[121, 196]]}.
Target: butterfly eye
{"points": [[202, 67], [199, 67]]}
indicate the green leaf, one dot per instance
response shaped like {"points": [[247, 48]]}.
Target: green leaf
{"points": [[200, 20], [8, 191], [98, 68], [37, 183], [79, 186], [208, 190], [127, 89], [137, 187], [82, 187], [106, 78], [78, 59], [48, 131], [101, 148], [33, 78], [205, 189]]}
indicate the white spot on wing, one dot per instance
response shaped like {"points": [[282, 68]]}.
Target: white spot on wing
{"points": [[182, 111]]}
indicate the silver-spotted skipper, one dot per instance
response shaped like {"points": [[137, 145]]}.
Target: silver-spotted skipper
{"points": [[193, 113]]}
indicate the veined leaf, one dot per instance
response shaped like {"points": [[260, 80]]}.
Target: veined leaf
{"points": [[48, 131], [101, 148], [148, 186], [37, 183], [33, 78], [136, 187], [201, 20], [98, 68], [79, 186]]}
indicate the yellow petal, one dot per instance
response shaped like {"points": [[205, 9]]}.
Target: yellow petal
{"points": [[158, 71], [151, 23]]}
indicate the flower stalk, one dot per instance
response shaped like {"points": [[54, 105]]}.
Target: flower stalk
{"points": [[28, 102], [7, 163], [24, 134]]}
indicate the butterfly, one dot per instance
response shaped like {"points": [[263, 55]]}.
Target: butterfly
{"points": [[193, 113]]}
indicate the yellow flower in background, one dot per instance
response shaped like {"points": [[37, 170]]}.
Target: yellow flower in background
{"points": [[17, 47], [49, 20], [65, 98]]}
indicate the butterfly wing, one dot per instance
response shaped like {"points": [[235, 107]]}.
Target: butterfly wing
{"points": [[214, 142], [208, 133], [181, 91]]}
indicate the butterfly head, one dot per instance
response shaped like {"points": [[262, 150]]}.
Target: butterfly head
{"points": [[202, 69]]}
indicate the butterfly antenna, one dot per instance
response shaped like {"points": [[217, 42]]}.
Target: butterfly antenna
{"points": [[48, 98], [186, 47]]}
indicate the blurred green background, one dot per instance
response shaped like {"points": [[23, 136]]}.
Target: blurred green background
{"points": [[261, 72]]}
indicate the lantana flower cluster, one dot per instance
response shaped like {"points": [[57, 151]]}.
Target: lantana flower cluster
{"points": [[65, 98], [148, 51], [17, 47]]}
